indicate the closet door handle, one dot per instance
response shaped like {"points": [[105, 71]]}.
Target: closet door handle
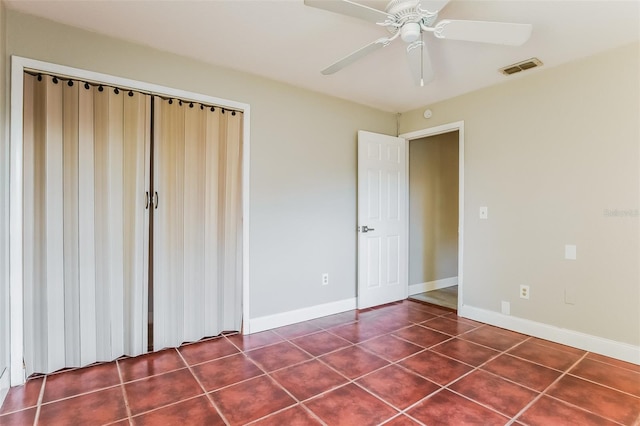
{"points": [[146, 200], [155, 200]]}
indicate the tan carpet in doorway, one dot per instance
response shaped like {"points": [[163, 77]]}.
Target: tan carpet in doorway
{"points": [[446, 297]]}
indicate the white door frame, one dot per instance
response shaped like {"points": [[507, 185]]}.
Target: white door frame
{"points": [[433, 131], [18, 66]]}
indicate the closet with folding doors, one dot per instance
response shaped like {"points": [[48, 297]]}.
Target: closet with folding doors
{"points": [[132, 222]]}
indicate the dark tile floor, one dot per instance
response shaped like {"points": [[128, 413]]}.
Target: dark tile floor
{"points": [[401, 364]]}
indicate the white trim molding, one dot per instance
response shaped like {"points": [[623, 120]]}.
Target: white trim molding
{"points": [[269, 322], [576, 339], [432, 285], [18, 66]]}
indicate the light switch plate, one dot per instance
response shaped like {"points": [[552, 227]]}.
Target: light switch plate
{"points": [[570, 252], [484, 212]]}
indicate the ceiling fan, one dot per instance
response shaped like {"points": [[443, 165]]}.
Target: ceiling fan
{"points": [[410, 20]]}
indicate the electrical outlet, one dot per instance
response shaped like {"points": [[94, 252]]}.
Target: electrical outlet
{"points": [[484, 212], [325, 279], [524, 291]]}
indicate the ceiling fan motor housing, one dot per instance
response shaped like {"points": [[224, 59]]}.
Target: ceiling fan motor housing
{"points": [[410, 32], [407, 17]]}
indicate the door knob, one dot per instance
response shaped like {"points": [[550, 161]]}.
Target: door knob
{"points": [[365, 228]]}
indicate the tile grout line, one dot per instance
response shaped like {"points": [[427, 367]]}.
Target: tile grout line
{"points": [[400, 412], [36, 418], [124, 393], [277, 383], [474, 369], [206, 394], [349, 380], [544, 391]]}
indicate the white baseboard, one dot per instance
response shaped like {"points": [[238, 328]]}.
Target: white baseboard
{"points": [[587, 342], [305, 314], [432, 285], [4, 384]]}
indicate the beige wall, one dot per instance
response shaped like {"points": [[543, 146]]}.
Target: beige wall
{"points": [[433, 208], [549, 154], [303, 159]]}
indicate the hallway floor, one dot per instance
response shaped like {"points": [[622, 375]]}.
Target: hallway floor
{"points": [[447, 297], [401, 364]]}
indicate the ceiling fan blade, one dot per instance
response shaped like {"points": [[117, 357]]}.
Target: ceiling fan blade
{"points": [[433, 6], [420, 62], [483, 32], [349, 8], [353, 57]]}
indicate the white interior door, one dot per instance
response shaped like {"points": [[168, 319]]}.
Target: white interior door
{"points": [[382, 219]]}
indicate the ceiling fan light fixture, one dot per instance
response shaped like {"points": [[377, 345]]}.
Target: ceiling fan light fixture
{"points": [[410, 32]]}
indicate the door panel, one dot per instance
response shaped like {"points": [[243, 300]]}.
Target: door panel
{"points": [[382, 239]]}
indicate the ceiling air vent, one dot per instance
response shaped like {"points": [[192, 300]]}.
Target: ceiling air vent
{"points": [[521, 66]]}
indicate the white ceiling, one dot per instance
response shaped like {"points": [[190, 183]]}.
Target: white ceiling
{"points": [[287, 41]]}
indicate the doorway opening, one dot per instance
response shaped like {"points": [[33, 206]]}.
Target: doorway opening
{"points": [[434, 199]]}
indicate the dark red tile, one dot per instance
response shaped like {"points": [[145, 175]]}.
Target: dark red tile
{"points": [[398, 387], [251, 400], [447, 408], [354, 362], [557, 346], [370, 313], [401, 420], [466, 352], [207, 350], [253, 341], [358, 331], [491, 337], [615, 362], [597, 399], [82, 380], [455, 316], [157, 391], [389, 323], [94, 408], [196, 411], [422, 336], [545, 355], [335, 320], [526, 373], [390, 347], [548, 411], [294, 416], [308, 379], [487, 389], [21, 397], [225, 371], [277, 356], [436, 367], [19, 418], [449, 326], [608, 375], [350, 405], [320, 343], [418, 316], [296, 330], [150, 364], [435, 310]]}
